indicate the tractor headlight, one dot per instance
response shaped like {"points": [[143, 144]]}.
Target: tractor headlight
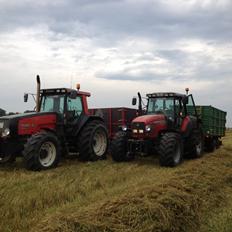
{"points": [[124, 128], [148, 128], [6, 132]]}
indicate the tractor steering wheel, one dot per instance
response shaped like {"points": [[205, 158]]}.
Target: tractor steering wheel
{"points": [[161, 112]]}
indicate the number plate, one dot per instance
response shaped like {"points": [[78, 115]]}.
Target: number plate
{"points": [[1, 125]]}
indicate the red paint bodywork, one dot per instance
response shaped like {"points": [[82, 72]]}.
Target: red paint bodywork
{"points": [[85, 104], [115, 118], [157, 122], [34, 124], [185, 123], [149, 119]]}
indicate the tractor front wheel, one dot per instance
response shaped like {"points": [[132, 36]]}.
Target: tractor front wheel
{"points": [[119, 148], [93, 141], [8, 159], [42, 151], [170, 149]]}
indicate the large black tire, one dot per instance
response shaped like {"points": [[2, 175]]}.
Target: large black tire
{"points": [[119, 148], [93, 141], [42, 151], [8, 159], [196, 148], [211, 145], [170, 149]]}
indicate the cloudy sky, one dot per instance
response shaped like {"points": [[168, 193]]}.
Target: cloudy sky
{"points": [[116, 48]]}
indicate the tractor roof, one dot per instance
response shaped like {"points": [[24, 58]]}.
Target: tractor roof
{"points": [[62, 91], [166, 94]]}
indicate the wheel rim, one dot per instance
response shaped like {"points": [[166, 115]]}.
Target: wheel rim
{"points": [[177, 154], [99, 143], [6, 159], [47, 154]]}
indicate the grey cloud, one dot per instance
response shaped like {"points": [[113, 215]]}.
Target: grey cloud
{"points": [[124, 76], [114, 19]]}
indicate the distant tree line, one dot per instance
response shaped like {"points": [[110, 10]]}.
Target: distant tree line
{"points": [[2, 112]]}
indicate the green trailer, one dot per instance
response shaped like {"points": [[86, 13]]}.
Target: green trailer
{"points": [[213, 125]]}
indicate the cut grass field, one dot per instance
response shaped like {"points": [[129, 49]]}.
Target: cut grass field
{"points": [[117, 197]]}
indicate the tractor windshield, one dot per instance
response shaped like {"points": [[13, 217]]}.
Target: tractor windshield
{"points": [[52, 103], [161, 106]]}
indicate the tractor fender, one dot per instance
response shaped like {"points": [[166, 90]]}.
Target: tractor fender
{"points": [[188, 125], [86, 119], [53, 131]]}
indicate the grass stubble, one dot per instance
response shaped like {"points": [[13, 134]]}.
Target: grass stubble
{"points": [[107, 196]]}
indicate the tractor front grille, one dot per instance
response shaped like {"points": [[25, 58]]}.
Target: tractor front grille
{"points": [[138, 127]]}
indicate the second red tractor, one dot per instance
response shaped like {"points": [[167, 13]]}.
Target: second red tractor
{"points": [[169, 125]]}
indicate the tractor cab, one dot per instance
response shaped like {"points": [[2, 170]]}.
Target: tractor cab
{"points": [[174, 106], [168, 104], [68, 103]]}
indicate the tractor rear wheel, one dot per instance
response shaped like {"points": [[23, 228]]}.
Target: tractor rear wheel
{"points": [[42, 151], [119, 148], [196, 145], [93, 141], [170, 149]]}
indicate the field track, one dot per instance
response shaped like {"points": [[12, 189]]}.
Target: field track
{"points": [[107, 196]]}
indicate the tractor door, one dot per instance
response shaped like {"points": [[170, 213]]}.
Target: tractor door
{"points": [[179, 109], [74, 112], [190, 117]]}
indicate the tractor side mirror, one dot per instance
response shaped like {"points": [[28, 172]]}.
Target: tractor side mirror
{"points": [[25, 97], [73, 94], [134, 101], [185, 100]]}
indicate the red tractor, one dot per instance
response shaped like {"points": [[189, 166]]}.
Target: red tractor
{"points": [[61, 124], [169, 125]]}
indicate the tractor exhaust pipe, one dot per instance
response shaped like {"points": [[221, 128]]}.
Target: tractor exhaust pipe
{"points": [[140, 103], [38, 93]]}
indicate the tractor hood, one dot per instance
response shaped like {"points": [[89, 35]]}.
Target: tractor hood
{"points": [[17, 116], [19, 123], [148, 126], [149, 119]]}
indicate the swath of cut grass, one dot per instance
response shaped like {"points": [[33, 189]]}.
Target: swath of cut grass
{"points": [[175, 205]]}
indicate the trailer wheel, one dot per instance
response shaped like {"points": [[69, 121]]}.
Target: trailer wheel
{"points": [[42, 151], [211, 145], [8, 159], [170, 149], [218, 143], [93, 141], [119, 148]]}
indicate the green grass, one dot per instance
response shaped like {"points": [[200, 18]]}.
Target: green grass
{"points": [[107, 196]]}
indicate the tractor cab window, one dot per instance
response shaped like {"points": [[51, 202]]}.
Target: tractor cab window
{"points": [[74, 106], [178, 108], [190, 107], [53, 103], [161, 105]]}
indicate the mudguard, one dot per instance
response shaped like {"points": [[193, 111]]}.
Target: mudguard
{"points": [[189, 123], [83, 120]]}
